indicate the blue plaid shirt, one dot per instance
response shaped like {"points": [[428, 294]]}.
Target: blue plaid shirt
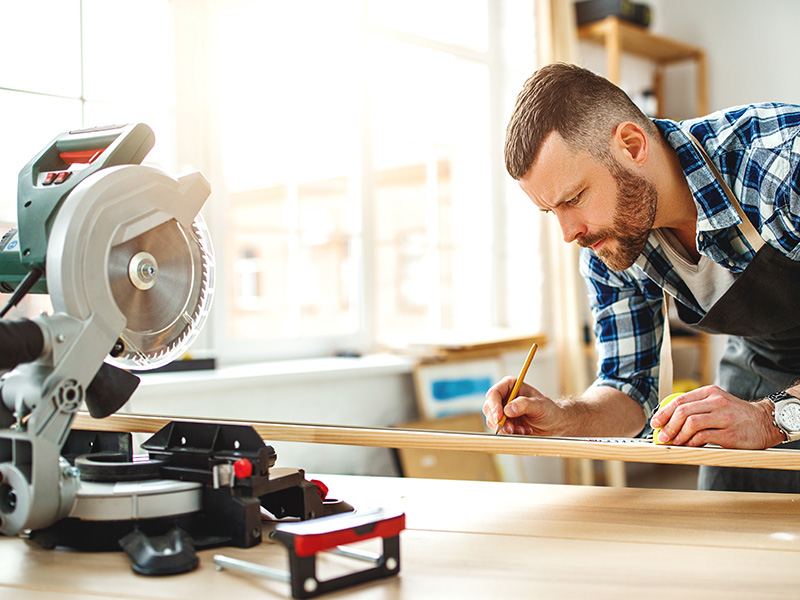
{"points": [[757, 150]]}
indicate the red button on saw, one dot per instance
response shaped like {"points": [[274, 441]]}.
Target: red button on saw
{"points": [[242, 468], [61, 177]]}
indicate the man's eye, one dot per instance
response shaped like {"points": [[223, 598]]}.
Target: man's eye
{"points": [[574, 200]]}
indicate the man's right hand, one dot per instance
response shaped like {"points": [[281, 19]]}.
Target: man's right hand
{"points": [[530, 413]]}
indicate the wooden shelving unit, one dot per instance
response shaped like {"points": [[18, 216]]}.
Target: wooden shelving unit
{"points": [[621, 37]]}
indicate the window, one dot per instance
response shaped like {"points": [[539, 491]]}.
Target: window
{"points": [[353, 147], [76, 63], [79, 63]]}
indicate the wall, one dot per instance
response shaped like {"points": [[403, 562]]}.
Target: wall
{"points": [[752, 47]]}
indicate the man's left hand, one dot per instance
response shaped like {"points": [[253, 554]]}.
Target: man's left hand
{"points": [[710, 415]]}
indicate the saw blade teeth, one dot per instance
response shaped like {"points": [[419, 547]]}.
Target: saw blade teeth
{"points": [[162, 324]]}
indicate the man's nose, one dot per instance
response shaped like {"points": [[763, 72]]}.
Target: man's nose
{"points": [[571, 228]]}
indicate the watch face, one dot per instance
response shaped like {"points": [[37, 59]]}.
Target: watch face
{"points": [[790, 416]]}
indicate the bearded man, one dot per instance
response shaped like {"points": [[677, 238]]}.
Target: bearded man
{"points": [[704, 211]]}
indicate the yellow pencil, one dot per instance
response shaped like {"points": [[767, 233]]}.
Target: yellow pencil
{"points": [[515, 390]]}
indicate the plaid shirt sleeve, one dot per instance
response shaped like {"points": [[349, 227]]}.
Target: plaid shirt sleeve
{"points": [[628, 325]]}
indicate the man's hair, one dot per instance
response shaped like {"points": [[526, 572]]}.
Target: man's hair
{"points": [[584, 108]]}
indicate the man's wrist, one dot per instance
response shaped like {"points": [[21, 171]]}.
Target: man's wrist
{"points": [[773, 402], [775, 435]]}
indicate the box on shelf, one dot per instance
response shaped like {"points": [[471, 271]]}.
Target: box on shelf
{"points": [[588, 11]]}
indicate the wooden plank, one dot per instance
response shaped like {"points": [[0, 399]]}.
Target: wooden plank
{"points": [[495, 341], [460, 346], [626, 451]]}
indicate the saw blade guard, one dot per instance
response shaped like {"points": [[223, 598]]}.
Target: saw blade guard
{"points": [[130, 252]]}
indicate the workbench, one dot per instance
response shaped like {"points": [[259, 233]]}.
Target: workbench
{"points": [[481, 540]]}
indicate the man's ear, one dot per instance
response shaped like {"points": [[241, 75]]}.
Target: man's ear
{"points": [[631, 142]]}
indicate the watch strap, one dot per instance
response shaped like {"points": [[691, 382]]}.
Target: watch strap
{"points": [[788, 436]]}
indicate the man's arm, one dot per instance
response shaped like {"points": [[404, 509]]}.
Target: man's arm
{"points": [[601, 411]]}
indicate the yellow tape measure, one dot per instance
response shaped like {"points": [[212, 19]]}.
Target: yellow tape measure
{"points": [[663, 403]]}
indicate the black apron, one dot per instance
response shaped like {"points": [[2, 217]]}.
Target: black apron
{"points": [[761, 314]]}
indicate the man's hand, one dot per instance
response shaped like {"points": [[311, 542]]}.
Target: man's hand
{"points": [[710, 415], [599, 411], [530, 413]]}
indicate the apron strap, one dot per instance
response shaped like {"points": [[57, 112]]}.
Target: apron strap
{"points": [[748, 230], [753, 238], [665, 357]]}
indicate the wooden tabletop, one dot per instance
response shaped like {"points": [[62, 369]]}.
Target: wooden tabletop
{"points": [[489, 540]]}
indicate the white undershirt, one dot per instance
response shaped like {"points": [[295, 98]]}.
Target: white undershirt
{"points": [[707, 280]]}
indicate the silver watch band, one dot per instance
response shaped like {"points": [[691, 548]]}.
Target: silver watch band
{"points": [[788, 436]]}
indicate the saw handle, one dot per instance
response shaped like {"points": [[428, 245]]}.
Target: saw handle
{"points": [[20, 342], [106, 146]]}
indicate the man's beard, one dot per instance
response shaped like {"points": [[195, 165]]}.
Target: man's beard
{"points": [[635, 213]]}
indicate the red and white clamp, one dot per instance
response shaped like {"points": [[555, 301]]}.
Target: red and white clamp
{"points": [[305, 539]]}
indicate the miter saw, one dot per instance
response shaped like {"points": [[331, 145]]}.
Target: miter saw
{"points": [[126, 258]]}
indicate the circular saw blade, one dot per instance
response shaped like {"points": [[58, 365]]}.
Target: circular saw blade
{"points": [[162, 281]]}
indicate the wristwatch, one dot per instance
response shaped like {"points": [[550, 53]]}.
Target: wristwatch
{"points": [[786, 415]]}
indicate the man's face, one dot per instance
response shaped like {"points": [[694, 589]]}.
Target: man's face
{"points": [[610, 211]]}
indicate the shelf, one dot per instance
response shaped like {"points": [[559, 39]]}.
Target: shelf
{"points": [[621, 37], [639, 41]]}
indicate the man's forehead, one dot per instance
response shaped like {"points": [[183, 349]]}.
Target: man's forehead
{"points": [[554, 176]]}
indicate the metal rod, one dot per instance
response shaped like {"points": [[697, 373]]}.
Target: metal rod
{"points": [[226, 562], [372, 557]]}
